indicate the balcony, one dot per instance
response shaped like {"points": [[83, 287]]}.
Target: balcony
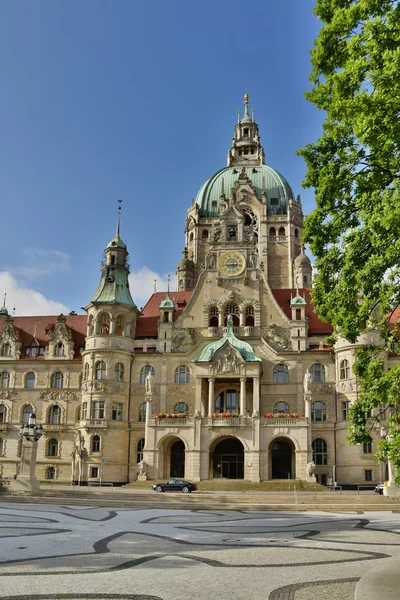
{"points": [[248, 331], [213, 331], [54, 426], [171, 421], [93, 423], [228, 421], [286, 421]]}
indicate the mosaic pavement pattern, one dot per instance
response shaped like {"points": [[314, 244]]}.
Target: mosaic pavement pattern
{"points": [[67, 552]]}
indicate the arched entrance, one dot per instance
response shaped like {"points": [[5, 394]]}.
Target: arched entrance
{"points": [[228, 459], [177, 459], [282, 460]]}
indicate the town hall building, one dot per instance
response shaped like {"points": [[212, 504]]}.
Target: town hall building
{"points": [[229, 377]]}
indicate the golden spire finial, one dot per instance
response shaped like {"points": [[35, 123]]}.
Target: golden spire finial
{"points": [[246, 97]]}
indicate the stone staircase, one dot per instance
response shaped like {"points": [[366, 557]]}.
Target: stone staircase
{"points": [[212, 500]]}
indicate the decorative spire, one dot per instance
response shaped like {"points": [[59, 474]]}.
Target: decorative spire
{"points": [[155, 285], [246, 149], [169, 277], [246, 116], [119, 218], [3, 309]]}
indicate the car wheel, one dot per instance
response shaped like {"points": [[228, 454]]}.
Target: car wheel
{"points": [[158, 488], [185, 490]]}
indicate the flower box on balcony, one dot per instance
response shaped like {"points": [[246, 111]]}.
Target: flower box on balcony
{"points": [[224, 415], [171, 416], [281, 416]]}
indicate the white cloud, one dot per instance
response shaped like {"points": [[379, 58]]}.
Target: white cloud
{"points": [[141, 283], [39, 262], [27, 301]]}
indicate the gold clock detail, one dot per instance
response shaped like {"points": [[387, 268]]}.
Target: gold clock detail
{"points": [[231, 263]]}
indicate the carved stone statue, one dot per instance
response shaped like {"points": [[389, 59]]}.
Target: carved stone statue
{"points": [[217, 233], [311, 469], [252, 260], [211, 261], [142, 466], [149, 384], [307, 382]]}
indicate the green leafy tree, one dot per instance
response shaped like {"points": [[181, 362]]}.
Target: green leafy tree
{"points": [[354, 232]]}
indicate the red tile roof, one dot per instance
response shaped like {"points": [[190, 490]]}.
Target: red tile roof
{"points": [[25, 328], [315, 324], [148, 320]]}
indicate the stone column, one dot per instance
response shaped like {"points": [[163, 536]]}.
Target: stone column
{"points": [[220, 318], [26, 478], [242, 318], [242, 396], [198, 397], [256, 396], [211, 395], [148, 413]]}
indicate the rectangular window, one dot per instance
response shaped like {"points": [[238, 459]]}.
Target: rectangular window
{"points": [[116, 413], [94, 472], [367, 447], [84, 410], [98, 409], [345, 410], [368, 474]]}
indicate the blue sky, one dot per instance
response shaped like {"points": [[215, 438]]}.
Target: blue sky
{"points": [[102, 100]]}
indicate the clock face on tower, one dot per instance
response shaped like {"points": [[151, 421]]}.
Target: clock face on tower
{"points": [[231, 263]]}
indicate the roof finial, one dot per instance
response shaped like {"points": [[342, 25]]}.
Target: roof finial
{"points": [[3, 309], [297, 286], [155, 285], [169, 277], [238, 115], [253, 115], [119, 217]]}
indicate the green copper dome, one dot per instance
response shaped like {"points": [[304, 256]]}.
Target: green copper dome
{"points": [[245, 350], [277, 189]]}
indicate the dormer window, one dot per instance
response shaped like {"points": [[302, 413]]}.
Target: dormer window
{"points": [[59, 349], [34, 351], [6, 350]]}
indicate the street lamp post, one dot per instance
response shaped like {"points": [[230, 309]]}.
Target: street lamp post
{"points": [[30, 433], [389, 488]]}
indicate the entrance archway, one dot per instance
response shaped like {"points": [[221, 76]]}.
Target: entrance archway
{"points": [[177, 459], [281, 460], [228, 459]]}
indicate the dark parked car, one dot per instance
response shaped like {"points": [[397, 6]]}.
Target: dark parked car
{"points": [[379, 488], [175, 485]]}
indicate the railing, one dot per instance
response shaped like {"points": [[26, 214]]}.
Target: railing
{"points": [[213, 331], [226, 421], [293, 422], [170, 421], [93, 423], [248, 331], [53, 426], [236, 330], [367, 487]]}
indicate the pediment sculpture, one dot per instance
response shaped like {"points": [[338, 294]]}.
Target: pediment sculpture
{"points": [[228, 360]]}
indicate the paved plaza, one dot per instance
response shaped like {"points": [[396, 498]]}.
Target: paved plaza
{"points": [[74, 552]]}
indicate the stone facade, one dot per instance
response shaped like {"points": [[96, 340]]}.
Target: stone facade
{"points": [[245, 386]]}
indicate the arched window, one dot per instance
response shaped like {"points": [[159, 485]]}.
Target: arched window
{"points": [[52, 447], [249, 316], [104, 324], [119, 372], [318, 412], [272, 232], [30, 380], [95, 446], [50, 473], [142, 412], [59, 349], [5, 379], [1, 446], [54, 415], [281, 407], [317, 372], [281, 374], [26, 413], [296, 233], [232, 309], [78, 413], [6, 349], [228, 402], [204, 235], [213, 317], [182, 408], [101, 371], [344, 369], [139, 450], [191, 237], [80, 376], [320, 452], [3, 413], [119, 325], [144, 371], [86, 372], [57, 380], [182, 374], [281, 231]]}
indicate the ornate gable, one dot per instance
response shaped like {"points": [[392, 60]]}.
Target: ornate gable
{"points": [[10, 345], [61, 344]]}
